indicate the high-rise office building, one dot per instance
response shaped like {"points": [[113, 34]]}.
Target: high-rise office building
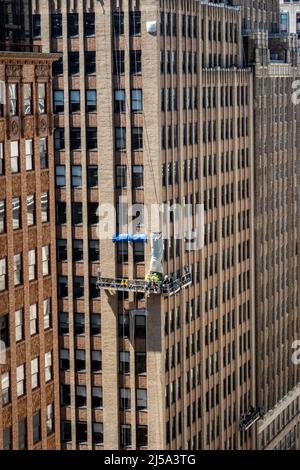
{"points": [[273, 58], [290, 18], [153, 104], [29, 374]]}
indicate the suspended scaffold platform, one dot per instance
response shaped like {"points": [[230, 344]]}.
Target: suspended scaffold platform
{"points": [[166, 287], [248, 420]]}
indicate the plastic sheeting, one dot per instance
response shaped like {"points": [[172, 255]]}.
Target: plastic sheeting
{"points": [[157, 246], [126, 237]]}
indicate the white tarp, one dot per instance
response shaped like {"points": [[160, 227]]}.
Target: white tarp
{"points": [[157, 246]]}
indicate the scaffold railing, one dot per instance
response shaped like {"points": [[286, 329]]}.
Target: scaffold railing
{"points": [[166, 287]]}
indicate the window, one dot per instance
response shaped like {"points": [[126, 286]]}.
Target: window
{"points": [[46, 260], [59, 139], [42, 98], [136, 100], [58, 67], [33, 319], [138, 176], [19, 325], [77, 213], [139, 252], [73, 28], [49, 419], [76, 176], [135, 62], [48, 366], [61, 216], [97, 401], [119, 62], [92, 176], [125, 435], [4, 330], [1, 159], [140, 326], [43, 152], [140, 363], [77, 251], [81, 431], [3, 274], [89, 24], [120, 138], [95, 324], [30, 210], [122, 252], [74, 101], [47, 314], [98, 433], [91, 138], [141, 399], [93, 213], [121, 175], [65, 395], [90, 62], [79, 324], [5, 388], [2, 216], [36, 427], [75, 138], [135, 23], [64, 359], [7, 444], [118, 23], [14, 156], [142, 436], [120, 101], [96, 361], [58, 101], [16, 213], [66, 431], [74, 63], [63, 324], [125, 403], [31, 265], [124, 362], [22, 434], [94, 250], [81, 396], [36, 26], [62, 252], [78, 288], [17, 269], [62, 287], [29, 154], [56, 25], [34, 373], [20, 380], [94, 291], [123, 326], [44, 207], [137, 138], [91, 101], [27, 97], [13, 99]]}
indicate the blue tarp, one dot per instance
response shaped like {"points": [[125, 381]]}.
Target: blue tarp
{"points": [[123, 237], [127, 238]]}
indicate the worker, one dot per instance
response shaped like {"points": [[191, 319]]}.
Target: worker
{"points": [[148, 281]]}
